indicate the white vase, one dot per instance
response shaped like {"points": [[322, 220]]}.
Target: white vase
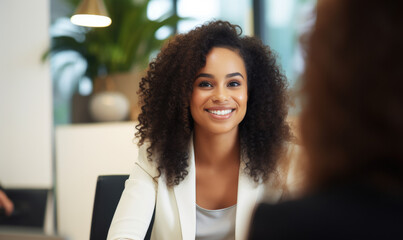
{"points": [[109, 106]]}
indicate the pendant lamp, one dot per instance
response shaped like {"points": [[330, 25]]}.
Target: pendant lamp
{"points": [[91, 13]]}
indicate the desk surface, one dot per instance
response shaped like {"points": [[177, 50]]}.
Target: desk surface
{"points": [[25, 233]]}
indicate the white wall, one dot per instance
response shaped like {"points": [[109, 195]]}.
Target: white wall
{"points": [[83, 152], [25, 95]]}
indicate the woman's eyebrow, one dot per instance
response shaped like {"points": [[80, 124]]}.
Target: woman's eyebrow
{"points": [[206, 75], [234, 74]]}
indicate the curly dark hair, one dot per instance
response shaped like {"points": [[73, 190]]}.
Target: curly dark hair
{"points": [[352, 120], [165, 92]]}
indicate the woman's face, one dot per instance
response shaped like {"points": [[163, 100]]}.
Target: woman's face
{"points": [[220, 92]]}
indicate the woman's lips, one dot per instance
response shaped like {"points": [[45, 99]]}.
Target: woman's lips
{"points": [[220, 113]]}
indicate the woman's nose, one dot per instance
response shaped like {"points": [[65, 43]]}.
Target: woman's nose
{"points": [[220, 95]]}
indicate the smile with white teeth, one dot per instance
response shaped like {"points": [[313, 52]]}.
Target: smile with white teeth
{"points": [[220, 112]]}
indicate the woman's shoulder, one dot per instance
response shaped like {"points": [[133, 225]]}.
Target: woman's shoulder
{"points": [[294, 169], [289, 175], [148, 164]]}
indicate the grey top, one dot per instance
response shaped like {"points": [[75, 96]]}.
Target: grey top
{"points": [[215, 224]]}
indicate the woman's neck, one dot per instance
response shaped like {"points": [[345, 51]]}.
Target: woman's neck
{"points": [[216, 149]]}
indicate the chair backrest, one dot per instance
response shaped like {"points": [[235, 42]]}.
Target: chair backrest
{"points": [[107, 195]]}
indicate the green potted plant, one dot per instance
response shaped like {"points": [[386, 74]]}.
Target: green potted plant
{"points": [[123, 47]]}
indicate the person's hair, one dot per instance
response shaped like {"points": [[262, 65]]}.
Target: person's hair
{"points": [[165, 92], [352, 118]]}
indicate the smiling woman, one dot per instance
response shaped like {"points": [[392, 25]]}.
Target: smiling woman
{"points": [[211, 130]]}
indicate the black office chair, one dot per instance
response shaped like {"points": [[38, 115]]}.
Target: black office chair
{"points": [[107, 194]]}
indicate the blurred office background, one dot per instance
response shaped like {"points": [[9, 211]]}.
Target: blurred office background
{"points": [[43, 146]]}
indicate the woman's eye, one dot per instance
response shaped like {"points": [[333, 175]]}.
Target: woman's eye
{"points": [[205, 84], [233, 84]]}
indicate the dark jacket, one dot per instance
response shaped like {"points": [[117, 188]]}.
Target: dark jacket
{"points": [[345, 212]]}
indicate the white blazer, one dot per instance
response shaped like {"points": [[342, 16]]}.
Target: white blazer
{"points": [[175, 207]]}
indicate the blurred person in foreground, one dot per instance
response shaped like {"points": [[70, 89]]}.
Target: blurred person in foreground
{"points": [[6, 205], [351, 126]]}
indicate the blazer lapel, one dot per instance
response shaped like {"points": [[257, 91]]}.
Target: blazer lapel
{"points": [[249, 193], [185, 194]]}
